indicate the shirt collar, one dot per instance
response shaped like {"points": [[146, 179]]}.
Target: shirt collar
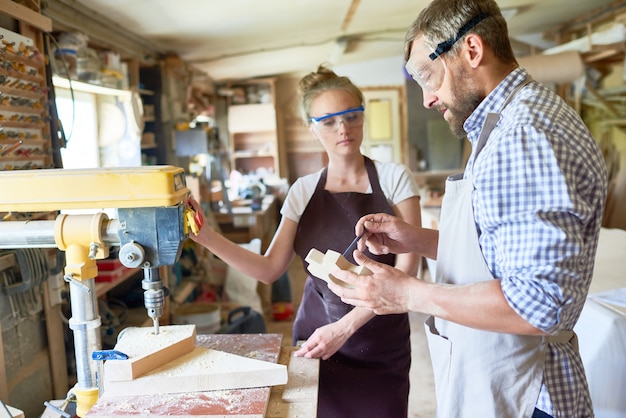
{"points": [[493, 103]]}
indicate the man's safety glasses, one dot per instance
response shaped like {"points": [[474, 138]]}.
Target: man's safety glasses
{"points": [[430, 73], [351, 118]]}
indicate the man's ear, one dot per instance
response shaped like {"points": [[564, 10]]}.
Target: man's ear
{"points": [[474, 49]]}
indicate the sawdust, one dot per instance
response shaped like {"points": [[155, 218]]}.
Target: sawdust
{"points": [[213, 403], [137, 341]]}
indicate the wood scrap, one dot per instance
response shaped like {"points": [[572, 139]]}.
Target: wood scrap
{"points": [[147, 351], [322, 265], [201, 370]]}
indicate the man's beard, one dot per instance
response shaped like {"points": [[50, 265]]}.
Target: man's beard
{"points": [[466, 100]]}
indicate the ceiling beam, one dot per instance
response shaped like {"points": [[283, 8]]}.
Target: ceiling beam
{"points": [[351, 11]]}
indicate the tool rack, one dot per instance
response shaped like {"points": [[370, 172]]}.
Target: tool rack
{"points": [[24, 129]]}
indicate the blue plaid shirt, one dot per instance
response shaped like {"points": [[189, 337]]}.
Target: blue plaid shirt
{"points": [[540, 188]]}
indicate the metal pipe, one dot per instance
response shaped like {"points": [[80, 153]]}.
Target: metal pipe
{"points": [[27, 234], [40, 234], [85, 324]]}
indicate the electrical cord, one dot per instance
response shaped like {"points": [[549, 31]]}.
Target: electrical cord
{"points": [[66, 69]]}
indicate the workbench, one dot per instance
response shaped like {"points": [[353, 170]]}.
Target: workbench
{"points": [[243, 223], [298, 398]]}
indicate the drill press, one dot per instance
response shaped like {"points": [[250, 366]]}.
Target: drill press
{"points": [[152, 222]]}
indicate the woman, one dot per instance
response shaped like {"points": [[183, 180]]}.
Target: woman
{"points": [[365, 358]]}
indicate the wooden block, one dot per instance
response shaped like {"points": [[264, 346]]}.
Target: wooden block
{"points": [[15, 413], [322, 265], [147, 351], [303, 379], [201, 370]]}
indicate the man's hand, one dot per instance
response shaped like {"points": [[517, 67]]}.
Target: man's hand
{"points": [[384, 234], [387, 290]]}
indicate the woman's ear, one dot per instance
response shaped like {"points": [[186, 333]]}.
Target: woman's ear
{"points": [[314, 132]]}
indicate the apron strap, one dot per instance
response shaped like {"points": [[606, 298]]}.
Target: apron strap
{"points": [[563, 337]]}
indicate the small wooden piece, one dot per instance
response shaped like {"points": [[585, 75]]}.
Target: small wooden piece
{"points": [[202, 370], [147, 351], [15, 413], [322, 265]]}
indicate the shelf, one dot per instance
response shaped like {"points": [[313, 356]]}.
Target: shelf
{"points": [[37, 78], [102, 288], [10, 91], [26, 15], [88, 88], [22, 109]]}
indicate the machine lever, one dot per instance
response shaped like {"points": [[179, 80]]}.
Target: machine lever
{"points": [[68, 278]]}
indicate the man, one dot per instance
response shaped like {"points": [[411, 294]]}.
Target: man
{"points": [[518, 230]]}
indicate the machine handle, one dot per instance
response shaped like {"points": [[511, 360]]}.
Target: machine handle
{"points": [[193, 220], [108, 355]]}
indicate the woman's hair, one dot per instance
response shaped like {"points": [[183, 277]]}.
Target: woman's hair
{"points": [[317, 82], [442, 19]]}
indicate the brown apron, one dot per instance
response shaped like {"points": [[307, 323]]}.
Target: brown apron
{"points": [[369, 375]]}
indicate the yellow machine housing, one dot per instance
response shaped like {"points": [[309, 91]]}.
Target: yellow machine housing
{"points": [[57, 189]]}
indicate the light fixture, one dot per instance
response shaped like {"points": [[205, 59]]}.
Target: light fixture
{"points": [[337, 50]]}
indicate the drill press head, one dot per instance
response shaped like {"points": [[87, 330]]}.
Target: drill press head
{"points": [[149, 238]]}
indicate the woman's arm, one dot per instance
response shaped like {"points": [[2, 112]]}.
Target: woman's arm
{"points": [[266, 268]]}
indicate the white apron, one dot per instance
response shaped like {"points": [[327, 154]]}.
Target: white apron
{"points": [[478, 373]]}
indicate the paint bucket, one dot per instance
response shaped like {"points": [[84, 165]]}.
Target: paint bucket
{"points": [[205, 316]]}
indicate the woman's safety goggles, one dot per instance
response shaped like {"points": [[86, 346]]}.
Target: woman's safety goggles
{"points": [[351, 118]]}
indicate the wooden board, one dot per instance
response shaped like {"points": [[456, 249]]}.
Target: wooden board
{"points": [[322, 265], [147, 351], [244, 403], [201, 370], [298, 398]]}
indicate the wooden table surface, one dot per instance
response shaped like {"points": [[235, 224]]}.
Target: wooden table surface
{"points": [[298, 398]]}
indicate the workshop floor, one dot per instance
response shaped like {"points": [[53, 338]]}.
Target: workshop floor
{"points": [[422, 394]]}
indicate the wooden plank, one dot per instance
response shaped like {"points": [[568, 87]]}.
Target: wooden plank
{"points": [[147, 351], [26, 15], [202, 370], [298, 398], [303, 379]]}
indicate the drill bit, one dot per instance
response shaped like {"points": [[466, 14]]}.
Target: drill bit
{"points": [[156, 325]]}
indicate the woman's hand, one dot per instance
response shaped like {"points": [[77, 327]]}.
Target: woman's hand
{"points": [[324, 342], [202, 237]]}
